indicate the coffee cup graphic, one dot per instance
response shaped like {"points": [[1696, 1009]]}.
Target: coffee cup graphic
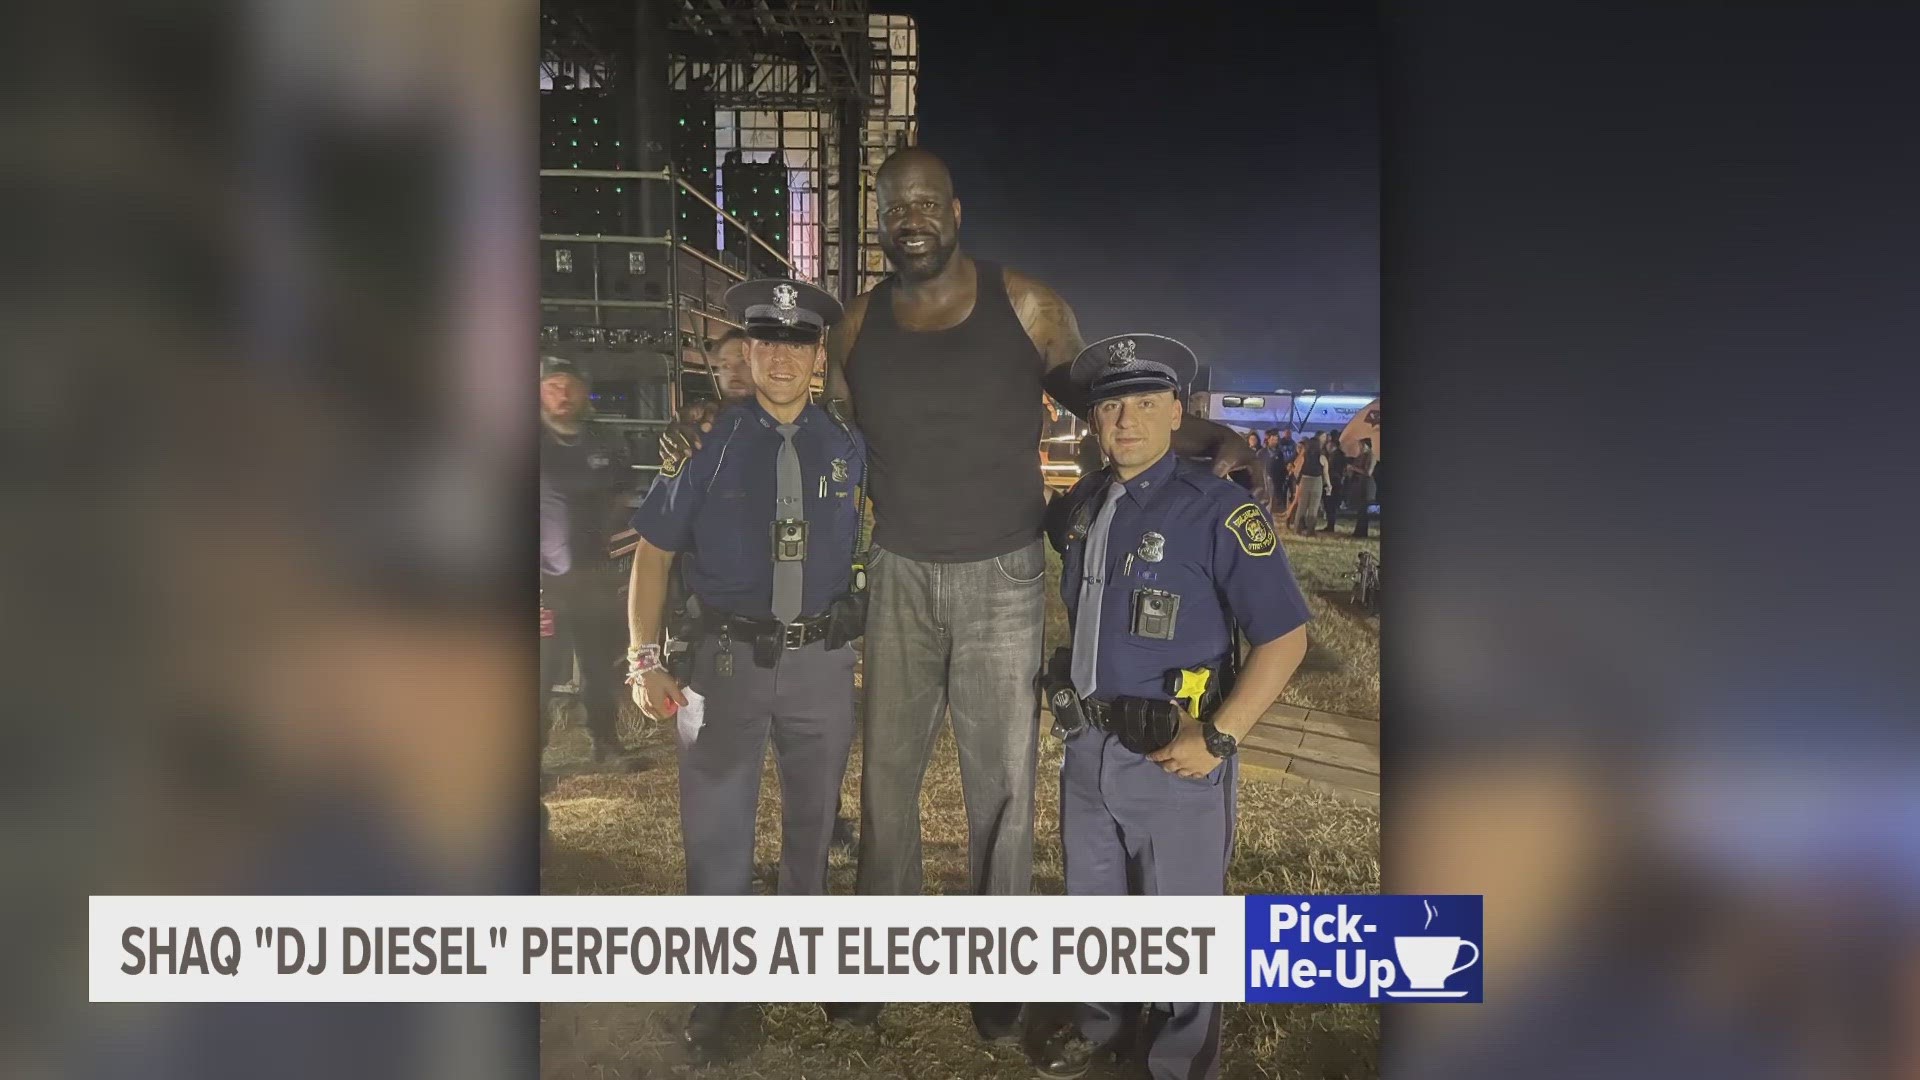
{"points": [[1428, 962]]}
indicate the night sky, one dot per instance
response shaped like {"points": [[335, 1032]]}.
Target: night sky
{"points": [[1215, 179]]}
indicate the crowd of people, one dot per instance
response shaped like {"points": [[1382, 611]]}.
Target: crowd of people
{"points": [[935, 387], [1307, 481]]}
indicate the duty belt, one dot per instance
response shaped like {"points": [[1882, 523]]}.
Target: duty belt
{"points": [[1106, 714], [1143, 725], [794, 635]]}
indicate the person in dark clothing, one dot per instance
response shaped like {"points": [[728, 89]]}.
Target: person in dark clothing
{"points": [[1313, 476], [1090, 458], [1280, 453], [556, 559], [1360, 488], [1256, 481], [589, 472], [1336, 477]]}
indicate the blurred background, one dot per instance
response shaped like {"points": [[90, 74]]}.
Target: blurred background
{"points": [[268, 450], [1647, 287]]}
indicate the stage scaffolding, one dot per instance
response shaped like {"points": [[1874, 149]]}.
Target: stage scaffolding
{"points": [[635, 295]]}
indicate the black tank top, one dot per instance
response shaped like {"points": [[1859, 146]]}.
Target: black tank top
{"points": [[952, 420]]}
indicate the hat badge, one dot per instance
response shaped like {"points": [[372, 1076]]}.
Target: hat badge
{"points": [[786, 297], [1124, 353]]}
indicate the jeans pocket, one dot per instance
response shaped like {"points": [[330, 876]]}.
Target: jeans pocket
{"points": [[1025, 566]]}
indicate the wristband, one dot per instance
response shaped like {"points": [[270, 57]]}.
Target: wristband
{"points": [[641, 660]]}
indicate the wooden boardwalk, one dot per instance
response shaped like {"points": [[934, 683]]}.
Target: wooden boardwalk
{"points": [[1336, 754], [1333, 753]]}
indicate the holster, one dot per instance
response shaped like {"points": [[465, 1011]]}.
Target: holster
{"points": [[846, 619], [1056, 689], [766, 650], [1218, 678], [1143, 725]]}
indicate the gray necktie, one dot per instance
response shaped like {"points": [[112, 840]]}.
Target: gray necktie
{"points": [[789, 501], [1093, 586]]}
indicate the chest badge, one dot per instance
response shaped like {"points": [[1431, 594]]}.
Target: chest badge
{"points": [[839, 470], [598, 461], [1153, 547]]}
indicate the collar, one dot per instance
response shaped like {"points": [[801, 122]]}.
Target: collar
{"points": [[810, 415], [1143, 487]]}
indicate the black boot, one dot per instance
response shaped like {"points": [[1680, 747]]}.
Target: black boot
{"points": [[609, 750], [710, 1029], [997, 1021], [843, 836]]}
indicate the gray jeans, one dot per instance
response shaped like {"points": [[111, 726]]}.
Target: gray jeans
{"points": [[1306, 515], [961, 639]]}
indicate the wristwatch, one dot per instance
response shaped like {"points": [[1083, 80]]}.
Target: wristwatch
{"points": [[1219, 743]]}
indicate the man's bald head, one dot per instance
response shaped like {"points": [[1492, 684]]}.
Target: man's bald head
{"points": [[919, 216], [915, 163]]}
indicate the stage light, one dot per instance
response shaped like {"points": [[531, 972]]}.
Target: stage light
{"points": [[1253, 403]]}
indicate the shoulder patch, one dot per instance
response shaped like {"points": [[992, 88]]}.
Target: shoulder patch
{"points": [[1248, 524]]}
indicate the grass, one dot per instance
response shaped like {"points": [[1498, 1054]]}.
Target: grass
{"points": [[619, 833], [1342, 670]]}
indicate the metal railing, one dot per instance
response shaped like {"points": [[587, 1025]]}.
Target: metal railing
{"points": [[688, 313]]}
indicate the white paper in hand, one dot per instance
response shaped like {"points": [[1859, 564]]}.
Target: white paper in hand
{"points": [[691, 717]]}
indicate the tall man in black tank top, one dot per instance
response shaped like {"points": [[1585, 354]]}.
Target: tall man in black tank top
{"points": [[943, 366]]}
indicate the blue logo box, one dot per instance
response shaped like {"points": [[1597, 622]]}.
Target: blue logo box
{"points": [[1363, 949]]}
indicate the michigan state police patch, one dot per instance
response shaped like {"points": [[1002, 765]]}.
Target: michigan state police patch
{"points": [[1249, 526]]}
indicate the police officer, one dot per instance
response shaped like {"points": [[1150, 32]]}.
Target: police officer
{"points": [[1162, 563], [586, 480], [765, 517]]}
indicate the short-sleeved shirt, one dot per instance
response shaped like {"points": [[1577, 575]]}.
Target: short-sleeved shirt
{"points": [[1218, 552], [1336, 464], [590, 475], [718, 511]]}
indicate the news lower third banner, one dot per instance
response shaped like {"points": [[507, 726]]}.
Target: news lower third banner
{"points": [[1299, 949]]}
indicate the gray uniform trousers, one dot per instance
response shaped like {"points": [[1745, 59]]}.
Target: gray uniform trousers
{"points": [[805, 704], [1132, 828], [963, 638]]}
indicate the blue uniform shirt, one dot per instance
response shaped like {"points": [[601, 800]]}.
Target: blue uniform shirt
{"points": [[1217, 551], [719, 510]]}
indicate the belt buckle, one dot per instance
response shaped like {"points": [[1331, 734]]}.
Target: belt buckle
{"points": [[793, 635]]}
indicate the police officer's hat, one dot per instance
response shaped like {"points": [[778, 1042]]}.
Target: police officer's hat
{"points": [[1133, 364], [776, 309], [559, 365]]}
